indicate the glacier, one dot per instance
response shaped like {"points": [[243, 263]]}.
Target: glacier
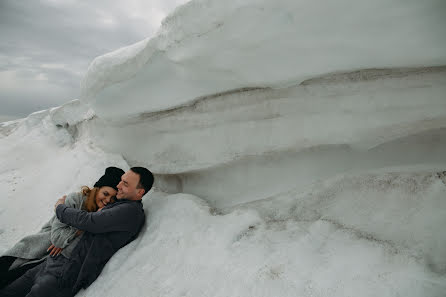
{"points": [[297, 148]]}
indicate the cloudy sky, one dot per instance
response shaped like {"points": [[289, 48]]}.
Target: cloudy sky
{"points": [[47, 45]]}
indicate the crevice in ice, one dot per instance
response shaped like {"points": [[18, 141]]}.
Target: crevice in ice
{"points": [[155, 115], [371, 74], [244, 177]]}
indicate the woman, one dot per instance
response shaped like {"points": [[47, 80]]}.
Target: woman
{"points": [[55, 237]]}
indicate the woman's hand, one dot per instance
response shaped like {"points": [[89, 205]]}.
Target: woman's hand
{"points": [[79, 232], [55, 251], [60, 201]]}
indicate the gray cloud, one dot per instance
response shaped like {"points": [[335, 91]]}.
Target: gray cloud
{"points": [[46, 46]]}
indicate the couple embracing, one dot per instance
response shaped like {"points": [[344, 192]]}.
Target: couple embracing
{"points": [[88, 227]]}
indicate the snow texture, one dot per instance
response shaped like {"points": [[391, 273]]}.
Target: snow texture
{"points": [[210, 46], [296, 148]]}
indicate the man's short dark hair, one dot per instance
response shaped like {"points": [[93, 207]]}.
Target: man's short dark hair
{"points": [[145, 178]]}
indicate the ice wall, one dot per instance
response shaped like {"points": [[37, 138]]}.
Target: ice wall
{"points": [[246, 89], [249, 144], [209, 47]]}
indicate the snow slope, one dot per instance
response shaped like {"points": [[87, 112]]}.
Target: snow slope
{"points": [[40, 163], [295, 145]]}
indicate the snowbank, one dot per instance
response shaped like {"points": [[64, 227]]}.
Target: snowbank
{"points": [[225, 147], [330, 242], [39, 164], [208, 47], [295, 146]]}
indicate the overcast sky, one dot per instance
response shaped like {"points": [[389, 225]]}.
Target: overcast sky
{"points": [[46, 46]]}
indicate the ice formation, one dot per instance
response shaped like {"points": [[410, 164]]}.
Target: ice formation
{"points": [[296, 148], [209, 47]]}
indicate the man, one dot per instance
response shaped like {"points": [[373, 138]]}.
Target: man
{"points": [[105, 232]]}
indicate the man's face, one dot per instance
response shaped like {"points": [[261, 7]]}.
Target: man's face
{"points": [[127, 187]]}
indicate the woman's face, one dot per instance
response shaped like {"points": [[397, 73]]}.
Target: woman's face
{"points": [[104, 195]]}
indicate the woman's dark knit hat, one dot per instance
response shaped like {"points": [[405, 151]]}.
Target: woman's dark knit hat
{"points": [[111, 178]]}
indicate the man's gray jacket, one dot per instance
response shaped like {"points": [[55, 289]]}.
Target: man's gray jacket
{"points": [[106, 231]]}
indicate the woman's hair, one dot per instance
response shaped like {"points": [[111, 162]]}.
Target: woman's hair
{"points": [[90, 203]]}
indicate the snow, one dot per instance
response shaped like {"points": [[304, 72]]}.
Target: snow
{"points": [[39, 164], [352, 114], [187, 251], [295, 147], [209, 46]]}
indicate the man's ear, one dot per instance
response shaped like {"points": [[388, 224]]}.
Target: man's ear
{"points": [[141, 192]]}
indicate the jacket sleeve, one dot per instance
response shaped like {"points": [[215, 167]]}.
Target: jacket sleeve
{"points": [[122, 217], [62, 234]]}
